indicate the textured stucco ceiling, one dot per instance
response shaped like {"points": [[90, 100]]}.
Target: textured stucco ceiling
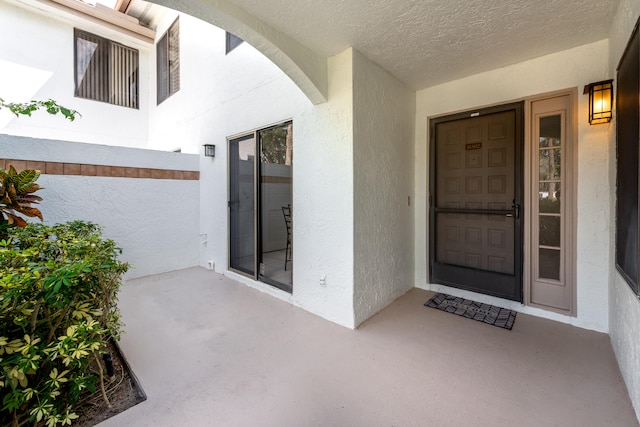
{"points": [[428, 42]]}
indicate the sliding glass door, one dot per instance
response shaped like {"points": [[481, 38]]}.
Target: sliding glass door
{"points": [[260, 205]]}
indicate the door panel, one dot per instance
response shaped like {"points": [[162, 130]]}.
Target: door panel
{"points": [[476, 186], [276, 194], [242, 202]]}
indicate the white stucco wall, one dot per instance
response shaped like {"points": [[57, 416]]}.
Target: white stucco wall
{"points": [[571, 68], [323, 195], [222, 96], [383, 141], [304, 67], [624, 307], [155, 221], [36, 62]]}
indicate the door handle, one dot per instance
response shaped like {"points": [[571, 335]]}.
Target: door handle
{"points": [[516, 210]]}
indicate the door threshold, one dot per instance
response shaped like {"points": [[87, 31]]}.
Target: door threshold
{"points": [[282, 286]]}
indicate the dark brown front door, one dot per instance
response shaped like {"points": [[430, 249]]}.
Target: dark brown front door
{"points": [[475, 201]]}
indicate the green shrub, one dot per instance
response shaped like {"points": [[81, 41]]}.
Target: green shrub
{"points": [[58, 295], [17, 198]]}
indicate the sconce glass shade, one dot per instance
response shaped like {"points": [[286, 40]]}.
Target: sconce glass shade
{"points": [[209, 150], [600, 101]]}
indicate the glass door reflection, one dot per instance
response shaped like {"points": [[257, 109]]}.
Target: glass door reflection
{"points": [[242, 202], [276, 211]]}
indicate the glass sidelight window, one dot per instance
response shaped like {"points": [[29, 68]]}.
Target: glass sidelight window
{"points": [[552, 278], [549, 197], [260, 205]]}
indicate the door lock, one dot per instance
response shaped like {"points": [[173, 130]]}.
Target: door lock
{"points": [[516, 210]]}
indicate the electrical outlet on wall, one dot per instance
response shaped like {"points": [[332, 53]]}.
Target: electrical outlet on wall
{"points": [[323, 280]]}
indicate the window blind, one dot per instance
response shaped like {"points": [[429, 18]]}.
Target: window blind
{"points": [[168, 62], [105, 71]]}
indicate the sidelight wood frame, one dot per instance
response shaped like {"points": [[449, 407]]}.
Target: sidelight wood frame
{"points": [[570, 215]]}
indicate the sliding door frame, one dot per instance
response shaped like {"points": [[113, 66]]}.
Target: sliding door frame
{"points": [[257, 207], [253, 276]]}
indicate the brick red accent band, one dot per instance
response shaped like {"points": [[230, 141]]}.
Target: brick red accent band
{"points": [[58, 168]]}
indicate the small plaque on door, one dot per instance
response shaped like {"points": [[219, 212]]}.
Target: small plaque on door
{"points": [[474, 146]]}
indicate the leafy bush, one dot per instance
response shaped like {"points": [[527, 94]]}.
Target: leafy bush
{"points": [[58, 295], [17, 198]]}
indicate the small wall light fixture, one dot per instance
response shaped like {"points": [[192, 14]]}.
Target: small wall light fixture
{"points": [[209, 150], [600, 101]]}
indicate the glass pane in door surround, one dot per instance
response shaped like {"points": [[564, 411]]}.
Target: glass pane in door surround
{"points": [[550, 175]]}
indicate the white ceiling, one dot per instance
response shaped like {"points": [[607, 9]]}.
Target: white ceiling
{"points": [[427, 42]]}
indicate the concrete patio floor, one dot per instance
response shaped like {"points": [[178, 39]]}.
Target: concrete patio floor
{"points": [[212, 352]]}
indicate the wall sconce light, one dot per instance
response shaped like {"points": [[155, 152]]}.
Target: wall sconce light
{"points": [[600, 101], [209, 150]]}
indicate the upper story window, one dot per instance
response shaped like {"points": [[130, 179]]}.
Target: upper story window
{"points": [[232, 42], [105, 70], [168, 62]]}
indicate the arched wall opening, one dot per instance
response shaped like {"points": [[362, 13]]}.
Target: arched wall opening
{"points": [[307, 69]]}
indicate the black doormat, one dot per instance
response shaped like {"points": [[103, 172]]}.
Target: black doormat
{"points": [[490, 314]]}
